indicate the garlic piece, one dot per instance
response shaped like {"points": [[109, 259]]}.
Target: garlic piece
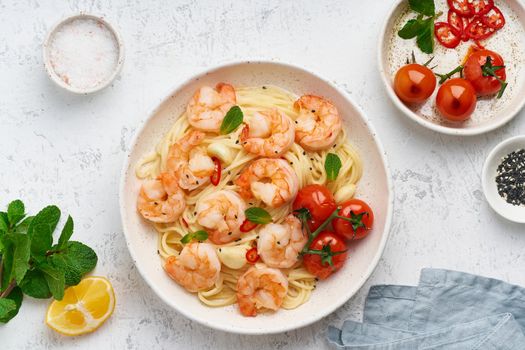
{"points": [[344, 193], [222, 152], [233, 257]]}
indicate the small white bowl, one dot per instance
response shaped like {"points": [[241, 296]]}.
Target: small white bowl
{"points": [[489, 113], [56, 78], [511, 212]]}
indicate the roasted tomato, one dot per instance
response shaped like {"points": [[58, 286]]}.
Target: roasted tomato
{"points": [[456, 99], [361, 216], [414, 83], [318, 200], [326, 255], [484, 85]]}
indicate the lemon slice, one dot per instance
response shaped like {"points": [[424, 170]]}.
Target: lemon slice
{"points": [[84, 307]]}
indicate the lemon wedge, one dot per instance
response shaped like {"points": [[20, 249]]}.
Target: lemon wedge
{"points": [[84, 308]]}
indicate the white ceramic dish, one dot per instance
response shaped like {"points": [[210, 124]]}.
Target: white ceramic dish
{"points": [[511, 212], [56, 78], [490, 113], [375, 187]]}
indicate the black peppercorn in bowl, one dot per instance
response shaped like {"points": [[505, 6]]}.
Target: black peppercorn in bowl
{"points": [[503, 179]]}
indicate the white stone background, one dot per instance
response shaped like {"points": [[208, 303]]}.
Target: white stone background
{"points": [[60, 148]]}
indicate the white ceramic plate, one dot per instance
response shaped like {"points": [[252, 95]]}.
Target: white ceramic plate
{"points": [[375, 187], [490, 113], [490, 189]]}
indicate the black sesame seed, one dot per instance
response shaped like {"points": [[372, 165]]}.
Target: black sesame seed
{"points": [[236, 216], [158, 252], [229, 233], [238, 240], [296, 122], [237, 142], [257, 237], [276, 152], [187, 176], [304, 153], [229, 172], [220, 250], [194, 213], [278, 242], [311, 168], [311, 159], [335, 144], [197, 181], [511, 178], [313, 110], [264, 87]]}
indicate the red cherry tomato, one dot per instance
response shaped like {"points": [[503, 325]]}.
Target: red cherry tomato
{"points": [[480, 7], [318, 200], [484, 85], [215, 178], [477, 30], [252, 255], [314, 263], [456, 99], [362, 214], [414, 83], [447, 35], [494, 18], [247, 226], [460, 7]]}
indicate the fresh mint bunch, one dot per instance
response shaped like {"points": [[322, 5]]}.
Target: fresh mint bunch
{"points": [[29, 261]]}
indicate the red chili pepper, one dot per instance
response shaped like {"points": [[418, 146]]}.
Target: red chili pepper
{"points": [[455, 21], [477, 30], [447, 35], [494, 18], [215, 178], [184, 222], [252, 256], [247, 226], [464, 35], [460, 7], [479, 7]]}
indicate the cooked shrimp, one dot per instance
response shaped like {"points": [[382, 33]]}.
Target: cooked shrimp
{"points": [[196, 268], [261, 287], [161, 199], [318, 123], [268, 134], [279, 244], [222, 214], [190, 162], [271, 180], [208, 106]]}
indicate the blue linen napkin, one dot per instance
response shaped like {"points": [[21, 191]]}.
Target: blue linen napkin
{"points": [[448, 310]]}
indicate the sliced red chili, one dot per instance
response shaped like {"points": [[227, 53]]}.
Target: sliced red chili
{"points": [[455, 21], [446, 35], [460, 7], [494, 18], [252, 255], [247, 226], [480, 7], [477, 30], [215, 178], [464, 35]]}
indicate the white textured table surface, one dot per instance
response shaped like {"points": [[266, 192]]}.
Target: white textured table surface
{"points": [[56, 147]]}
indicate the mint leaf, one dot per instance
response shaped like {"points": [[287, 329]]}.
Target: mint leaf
{"points": [[258, 215], [425, 39], [411, 28], [15, 297], [425, 7], [4, 222], [187, 238], [200, 235], [332, 165], [74, 260], [231, 120], [67, 231], [23, 226], [41, 230], [35, 285], [15, 258], [55, 280], [7, 306], [15, 212]]}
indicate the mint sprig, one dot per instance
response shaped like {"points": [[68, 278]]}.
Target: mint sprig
{"points": [[332, 165], [258, 215], [199, 235], [421, 27], [29, 262]]}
